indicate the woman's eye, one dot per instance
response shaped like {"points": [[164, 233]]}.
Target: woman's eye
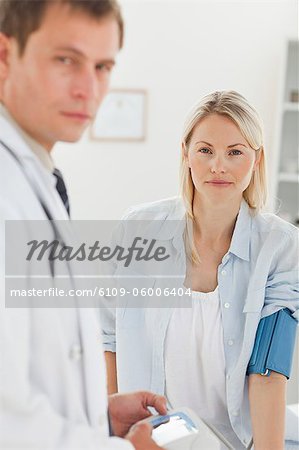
{"points": [[235, 152], [204, 150]]}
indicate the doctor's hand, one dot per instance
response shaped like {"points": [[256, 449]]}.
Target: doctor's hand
{"points": [[140, 436], [127, 409]]}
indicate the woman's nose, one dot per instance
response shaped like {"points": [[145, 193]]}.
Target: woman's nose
{"points": [[218, 165]]}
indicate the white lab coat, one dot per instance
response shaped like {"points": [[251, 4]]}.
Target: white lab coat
{"points": [[52, 394]]}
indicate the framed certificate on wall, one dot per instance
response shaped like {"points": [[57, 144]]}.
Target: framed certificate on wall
{"points": [[121, 117]]}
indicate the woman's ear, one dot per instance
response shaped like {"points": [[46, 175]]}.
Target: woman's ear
{"points": [[257, 158], [184, 153], [185, 156]]}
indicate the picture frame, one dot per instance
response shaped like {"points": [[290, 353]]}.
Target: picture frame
{"points": [[121, 117]]}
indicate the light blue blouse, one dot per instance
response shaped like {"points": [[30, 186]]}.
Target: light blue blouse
{"points": [[257, 277]]}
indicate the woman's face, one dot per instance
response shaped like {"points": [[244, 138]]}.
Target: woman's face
{"points": [[220, 160]]}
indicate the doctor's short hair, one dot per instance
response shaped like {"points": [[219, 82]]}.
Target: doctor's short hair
{"points": [[20, 18], [234, 106]]}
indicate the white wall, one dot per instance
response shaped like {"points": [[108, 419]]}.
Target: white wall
{"points": [[178, 51]]}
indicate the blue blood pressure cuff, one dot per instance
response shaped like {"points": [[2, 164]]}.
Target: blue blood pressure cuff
{"points": [[274, 344]]}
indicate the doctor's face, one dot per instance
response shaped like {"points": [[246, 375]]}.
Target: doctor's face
{"points": [[54, 89]]}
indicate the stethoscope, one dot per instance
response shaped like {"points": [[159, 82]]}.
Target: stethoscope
{"points": [[56, 231]]}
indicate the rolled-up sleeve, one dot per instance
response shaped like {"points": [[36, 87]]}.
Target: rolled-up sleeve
{"points": [[282, 287], [108, 329]]}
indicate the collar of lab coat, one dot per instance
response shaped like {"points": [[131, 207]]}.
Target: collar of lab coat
{"points": [[43, 155], [42, 181], [21, 149]]}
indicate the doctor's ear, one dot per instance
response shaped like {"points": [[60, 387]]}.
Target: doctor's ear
{"points": [[4, 56]]}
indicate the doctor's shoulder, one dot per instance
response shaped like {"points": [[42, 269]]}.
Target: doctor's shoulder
{"points": [[166, 209]]}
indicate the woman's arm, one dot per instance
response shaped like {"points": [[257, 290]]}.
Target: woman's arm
{"points": [[267, 410], [110, 358]]}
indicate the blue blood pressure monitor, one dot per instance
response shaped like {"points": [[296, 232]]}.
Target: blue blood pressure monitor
{"points": [[182, 429]]}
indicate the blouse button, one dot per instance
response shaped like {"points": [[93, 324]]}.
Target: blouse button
{"points": [[230, 342], [226, 305], [223, 272]]}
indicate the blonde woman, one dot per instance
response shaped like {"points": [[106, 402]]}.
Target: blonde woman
{"points": [[240, 265]]}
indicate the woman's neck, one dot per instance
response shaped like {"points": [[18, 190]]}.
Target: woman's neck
{"points": [[214, 223]]}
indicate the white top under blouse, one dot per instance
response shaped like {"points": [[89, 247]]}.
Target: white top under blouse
{"points": [[194, 359]]}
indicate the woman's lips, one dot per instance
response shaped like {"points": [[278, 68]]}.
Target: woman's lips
{"points": [[220, 183]]}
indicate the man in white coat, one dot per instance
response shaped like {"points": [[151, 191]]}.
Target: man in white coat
{"points": [[55, 63]]}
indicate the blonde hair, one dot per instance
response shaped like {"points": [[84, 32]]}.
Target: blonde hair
{"points": [[233, 105]]}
